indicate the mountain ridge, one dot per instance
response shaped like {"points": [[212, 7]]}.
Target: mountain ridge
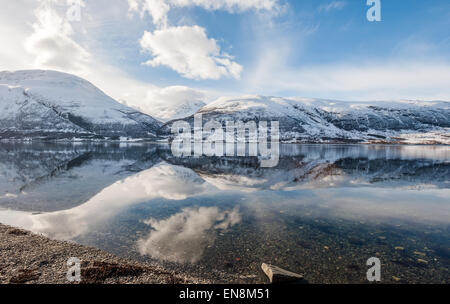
{"points": [[50, 105], [306, 120]]}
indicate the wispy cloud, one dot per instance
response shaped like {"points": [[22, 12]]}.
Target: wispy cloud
{"points": [[334, 5], [173, 102], [159, 9], [375, 80]]}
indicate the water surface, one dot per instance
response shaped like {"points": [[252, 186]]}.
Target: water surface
{"points": [[323, 211]]}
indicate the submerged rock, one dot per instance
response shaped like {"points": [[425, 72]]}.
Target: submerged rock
{"points": [[279, 275]]}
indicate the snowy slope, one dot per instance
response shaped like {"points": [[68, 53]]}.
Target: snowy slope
{"points": [[315, 120], [53, 104]]}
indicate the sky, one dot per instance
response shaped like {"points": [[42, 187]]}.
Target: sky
{"points": [[154, 53]]}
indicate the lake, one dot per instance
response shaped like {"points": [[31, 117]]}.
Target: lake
{"points": [[322, 212]]}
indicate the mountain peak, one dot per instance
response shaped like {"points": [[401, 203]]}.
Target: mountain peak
{"points": [[65, 101]]}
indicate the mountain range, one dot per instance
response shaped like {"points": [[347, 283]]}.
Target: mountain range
{"points": [[51, 105]]}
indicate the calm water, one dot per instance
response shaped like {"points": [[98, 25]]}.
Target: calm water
{"points": [[322, 212]]}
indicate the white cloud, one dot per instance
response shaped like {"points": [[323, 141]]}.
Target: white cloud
{"points": [[172, 102], [184, 236], [190, 52], [370, 80], [13, 28], [382, 80], [159, 9], [332, 5], [51, 41]]}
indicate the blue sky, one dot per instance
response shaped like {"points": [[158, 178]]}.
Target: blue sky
{"points": [[207, 49], [411, 28]]}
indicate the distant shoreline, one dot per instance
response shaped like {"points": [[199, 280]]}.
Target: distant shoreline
{"points": [[28, 258], [161, 142]]}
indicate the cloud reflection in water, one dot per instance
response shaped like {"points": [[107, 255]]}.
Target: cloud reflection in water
{"points": [[184, 236]]}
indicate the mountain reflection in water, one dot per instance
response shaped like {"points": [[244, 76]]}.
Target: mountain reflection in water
{"points": [[229, 215]]}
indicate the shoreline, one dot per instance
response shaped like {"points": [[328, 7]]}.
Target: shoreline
{"points": [[28, 258], [429, 143]]}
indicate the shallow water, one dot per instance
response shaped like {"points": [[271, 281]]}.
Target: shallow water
{"points": [[323, 211]]}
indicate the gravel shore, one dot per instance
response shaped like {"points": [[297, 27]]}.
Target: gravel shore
{"points": [[27, 258]]}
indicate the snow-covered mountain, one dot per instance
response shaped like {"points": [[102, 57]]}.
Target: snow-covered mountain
{"points": [[315, 120], [49, 104], [54, 105]]}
